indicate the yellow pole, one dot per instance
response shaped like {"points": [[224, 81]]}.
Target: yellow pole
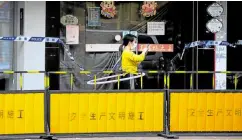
{"points": [[165, 81], [191, 81], [45, 81], [118, 81], [235, 81], [21, 81], [168, 81], [141, 80], [213, 81], [71, 81], [95, 81], [48, 80]]}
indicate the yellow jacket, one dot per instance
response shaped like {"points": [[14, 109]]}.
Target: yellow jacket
{"points": [[130, 61]]}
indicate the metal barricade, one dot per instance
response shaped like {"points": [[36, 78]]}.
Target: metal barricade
{"points": [[23, 113], [126, 107], [204, 111], [121, 112]]}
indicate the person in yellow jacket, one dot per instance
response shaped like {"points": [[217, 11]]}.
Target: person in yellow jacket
{"points": [[130, 61]]}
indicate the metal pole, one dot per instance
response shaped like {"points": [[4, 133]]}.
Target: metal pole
{"points": [[132, 85], [193, 51], [220, 60], [197, 52]]}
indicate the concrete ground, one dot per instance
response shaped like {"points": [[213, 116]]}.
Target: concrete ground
{"points": [[133, 138], [152, 138], [140, 138]]}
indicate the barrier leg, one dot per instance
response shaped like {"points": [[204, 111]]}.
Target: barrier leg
{"points": [[166, 133], [48, 136]]}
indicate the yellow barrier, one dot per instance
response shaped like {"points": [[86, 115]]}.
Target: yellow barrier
{"points": [[205, 112], [106, 112], [21, 113]]}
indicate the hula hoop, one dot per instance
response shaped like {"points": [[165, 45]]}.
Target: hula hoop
{"points": [[92, 82]]}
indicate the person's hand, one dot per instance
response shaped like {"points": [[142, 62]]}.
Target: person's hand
{"points": [[145, 50]]}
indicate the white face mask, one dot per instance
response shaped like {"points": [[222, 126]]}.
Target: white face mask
{"points": [[134, 46]]}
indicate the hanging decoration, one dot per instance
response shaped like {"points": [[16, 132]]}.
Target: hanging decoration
{"points": [[149, 8], [108, 9], [69, 20], [215, 10]]}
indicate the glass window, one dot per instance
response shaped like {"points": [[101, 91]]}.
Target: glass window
{"points": [[6, 29], [111, 18]]}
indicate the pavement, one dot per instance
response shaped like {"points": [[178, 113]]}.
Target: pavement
{"points": [[152, 138], [133, 138]]}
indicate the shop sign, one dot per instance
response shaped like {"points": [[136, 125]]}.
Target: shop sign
{"points": [[157, 47]]}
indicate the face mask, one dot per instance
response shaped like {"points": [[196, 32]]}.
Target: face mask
{"points": [[134, 46]]}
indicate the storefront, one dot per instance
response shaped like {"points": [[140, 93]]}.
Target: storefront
{"points": [[98, 28], [95, 47], [100, 22]]}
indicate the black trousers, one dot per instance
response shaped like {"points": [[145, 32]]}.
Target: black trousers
{"points": [[127, 84]]}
